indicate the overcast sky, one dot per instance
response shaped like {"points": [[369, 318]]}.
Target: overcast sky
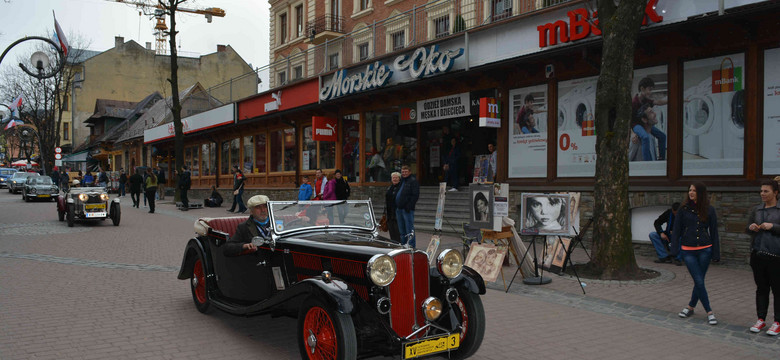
{"points": [[97, 22]]}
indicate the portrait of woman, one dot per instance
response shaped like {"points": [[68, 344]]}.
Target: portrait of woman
{"points": [[546, 213], [481, 206]]}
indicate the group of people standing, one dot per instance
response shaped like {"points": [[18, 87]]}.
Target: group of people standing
{"points": [[400, 199], [151, 182], [336, 188], [691, 237]]}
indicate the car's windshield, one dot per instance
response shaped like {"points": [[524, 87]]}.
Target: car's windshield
{"points": [[22, 174], [293, 215], [7, 172], [43, 180]]}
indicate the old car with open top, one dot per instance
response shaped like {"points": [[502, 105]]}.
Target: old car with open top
{"points": [[88, 203]]}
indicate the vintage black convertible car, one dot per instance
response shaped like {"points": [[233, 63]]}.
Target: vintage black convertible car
{"points": [[355, 294]]}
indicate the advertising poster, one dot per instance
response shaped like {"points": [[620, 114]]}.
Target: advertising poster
{"points": [[647, 146], [528, 132], [576, 140], [771, 112], [440, 206], [714, 115]]}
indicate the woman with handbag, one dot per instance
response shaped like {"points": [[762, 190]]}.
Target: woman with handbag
{"points": [[389, 218], [238, 190], [764, 229], [696, 233]]}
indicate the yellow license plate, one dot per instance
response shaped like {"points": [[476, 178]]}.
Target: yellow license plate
{"points": [[44, 195], [431, 346], [94, 206]]}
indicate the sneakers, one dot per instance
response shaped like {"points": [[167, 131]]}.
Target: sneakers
{"points": [[712, 320], [677, 262], [774, 329], [453, 189], [760, 324], [686, 312], [667, 259]]}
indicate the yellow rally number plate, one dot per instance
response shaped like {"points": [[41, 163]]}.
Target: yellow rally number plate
{"points": [[94, 206], [431, 346]]}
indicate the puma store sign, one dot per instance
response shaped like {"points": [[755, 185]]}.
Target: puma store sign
{"points": [[324, 128]]}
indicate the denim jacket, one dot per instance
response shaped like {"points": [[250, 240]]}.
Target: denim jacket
{"points": [[690, 231], [767, 241]]}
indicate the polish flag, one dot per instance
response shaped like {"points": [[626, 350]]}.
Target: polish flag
{"points": [[59, 36], [13, 123], [17, 103]]}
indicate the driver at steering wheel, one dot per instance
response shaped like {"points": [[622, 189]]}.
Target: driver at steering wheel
{"points": [[258, 224]]}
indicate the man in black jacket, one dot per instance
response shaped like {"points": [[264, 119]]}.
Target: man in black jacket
{"points": [[258, 224], [136, 181], [160, 173], [238, 190], [184, 185], [405, 200], [342, 193], [661, 238]]}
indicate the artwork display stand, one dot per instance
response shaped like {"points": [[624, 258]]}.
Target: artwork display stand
{"points": [[579, 237], [538, 278], [501, 238], [568, 259]]}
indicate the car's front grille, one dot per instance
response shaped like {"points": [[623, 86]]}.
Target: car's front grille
{"points": [[408, 292]]}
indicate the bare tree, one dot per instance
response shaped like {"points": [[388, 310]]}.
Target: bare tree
{"points": [[613, 253]]}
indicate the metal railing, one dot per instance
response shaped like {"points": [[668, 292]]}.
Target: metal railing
{"points": [[420, 25]]}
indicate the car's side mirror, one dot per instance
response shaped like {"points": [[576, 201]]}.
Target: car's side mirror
{"points": [[261, 241]]}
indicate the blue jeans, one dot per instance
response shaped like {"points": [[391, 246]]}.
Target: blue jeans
{"points": [[697, 262], [238, 199], [406, 227], [658, 134], [660, 246], [122, 189]]}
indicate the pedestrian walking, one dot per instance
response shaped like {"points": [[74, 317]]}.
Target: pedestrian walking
{"points": [[185, 182], [695, 233], [64, 180], [405, 200], [122, 181], [161, 178], [238, 190], [55, 177], [145, 174], [390, 217], [151, 188], [136, 181], [764, 229]]}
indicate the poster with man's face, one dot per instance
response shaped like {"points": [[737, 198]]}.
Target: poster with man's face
{"points": [[649, 122], [528, 132]]}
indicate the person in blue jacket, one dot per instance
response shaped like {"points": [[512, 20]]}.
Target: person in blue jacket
{"points": [[305, 192], [695, 233], [405, 200]]}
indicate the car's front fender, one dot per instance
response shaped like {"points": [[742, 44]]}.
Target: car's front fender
{"points": [[470, 279], [191, 251]]}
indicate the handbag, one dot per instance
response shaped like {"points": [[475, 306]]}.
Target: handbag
{"points": [[383, 222], [235, 192]]}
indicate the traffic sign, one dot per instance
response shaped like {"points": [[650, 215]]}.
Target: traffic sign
{"points": [[58, 150], [57, 156]]}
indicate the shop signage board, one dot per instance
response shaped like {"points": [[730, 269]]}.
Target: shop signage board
{"points": [[445, 107], [576, 140], [222, 115], [714, 116], [324, 128], [528, 132], [648, 144], [771, 152], [291, 97], [489, 113], [276, 103]]}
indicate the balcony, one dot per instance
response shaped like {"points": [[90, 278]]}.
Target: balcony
{"points": [[326, 27]]}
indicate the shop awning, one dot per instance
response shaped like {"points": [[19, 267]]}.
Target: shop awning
{"points": [[77, 157]]}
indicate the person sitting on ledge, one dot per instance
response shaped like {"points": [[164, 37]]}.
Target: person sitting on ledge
{"points": [[660, 237]]}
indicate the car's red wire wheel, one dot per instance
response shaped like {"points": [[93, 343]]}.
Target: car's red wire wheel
{"points": [[319, 335], [200, 282], [464, 321]]}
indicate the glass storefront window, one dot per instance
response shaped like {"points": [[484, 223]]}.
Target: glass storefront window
{"points": [[207, 164], [350, 151], [289, 149], [225, 158], [194, 170], [234, 152], [260, 153], [389, 145], [327, 154], [188, 158], [309, 151], [277, 161], [249, 155]]}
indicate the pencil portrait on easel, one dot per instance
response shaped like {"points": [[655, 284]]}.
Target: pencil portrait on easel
{"points": [[545, 214]]}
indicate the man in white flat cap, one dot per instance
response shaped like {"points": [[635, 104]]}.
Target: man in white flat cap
{"points": [[258, 224]]}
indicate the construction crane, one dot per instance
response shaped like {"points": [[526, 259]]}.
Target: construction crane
{"points": [[161, 28]]}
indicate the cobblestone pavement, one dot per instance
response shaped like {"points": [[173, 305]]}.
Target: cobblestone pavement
{"points": [[96, 291]]}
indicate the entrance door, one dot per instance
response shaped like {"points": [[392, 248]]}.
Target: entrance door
{"points": [[436, 145]]}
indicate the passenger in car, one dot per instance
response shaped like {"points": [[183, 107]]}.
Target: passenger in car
{"points": [[258, 224]]}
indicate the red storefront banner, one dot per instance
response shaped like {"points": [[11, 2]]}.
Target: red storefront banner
{"points": [[324, 128], [287, 98]]}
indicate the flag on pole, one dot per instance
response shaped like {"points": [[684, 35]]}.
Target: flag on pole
{"points": [[59, 36], [13, 123], [17, 103]]}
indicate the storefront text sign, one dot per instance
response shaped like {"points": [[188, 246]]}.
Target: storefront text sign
{"points": [[375, 76], [274, 105], [444, 107], [324, 128], [424, 62], [220, 116], [489, 111], [582, 24]]}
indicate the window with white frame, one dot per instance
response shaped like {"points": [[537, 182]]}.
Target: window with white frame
{"points": [[362, 40], [282, 28], [299, 21], [333, 61], [396, 31], [282, 77], [399, 40], [442, 26], [362, 52], [298, 72], [364, 4]]}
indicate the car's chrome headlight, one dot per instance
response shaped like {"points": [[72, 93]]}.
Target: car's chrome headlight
{"points": [[104, 197], [432, 308], [450, 263], [381, 269], [83, 197]]}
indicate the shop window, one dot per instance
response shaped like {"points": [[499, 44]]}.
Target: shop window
{"points": [[309, 150], [390, 146], [224, 158], [249, 155], [188, 158], [208, 159], [282, 150], [350, 151], [363, 52], [194, 169], [235, 148], [260, 153], [442, 26], [399, 40]]}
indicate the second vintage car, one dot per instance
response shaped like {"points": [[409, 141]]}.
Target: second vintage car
{"points": [[40, 188], [355, 294], [87, 203], [16, 181]]}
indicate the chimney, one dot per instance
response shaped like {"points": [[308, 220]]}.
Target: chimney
{"points": [[221, 48], [118, 41], [148, 45]]}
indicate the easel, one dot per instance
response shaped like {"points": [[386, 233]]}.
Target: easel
{"points": [[538, 278], [501, 238], [567, 256]]}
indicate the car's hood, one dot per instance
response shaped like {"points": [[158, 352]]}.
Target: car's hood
{"points": [[361, 245]]}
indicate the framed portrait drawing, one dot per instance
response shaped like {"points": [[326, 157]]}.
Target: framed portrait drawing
{"points": [[545, 214], [560, 255], [487, 260], [481, 206], [433, 248]]}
